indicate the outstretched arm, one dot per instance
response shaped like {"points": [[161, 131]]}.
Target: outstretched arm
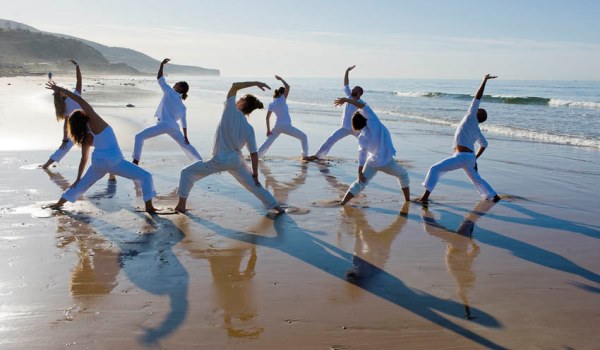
{"points": [[78, 75], [235, 87], [487, 77], [346, 79], [160, 70], [340, 101], [85, 154], [89, 111], [285, 84]]}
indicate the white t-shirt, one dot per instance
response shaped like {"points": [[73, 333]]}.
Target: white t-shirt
{"points": [[171, 107], [234, 132], [375, 143], [280, 108], [71, 105], [468, 130], [349, 110]]}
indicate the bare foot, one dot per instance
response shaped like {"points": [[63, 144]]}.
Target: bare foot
{"points": [[112, 177], [136, 162], [279, 210], [179, 209], [309, 158], [496, 198]]}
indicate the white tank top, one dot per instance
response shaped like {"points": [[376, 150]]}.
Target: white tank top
{"points": [[106, 145]]}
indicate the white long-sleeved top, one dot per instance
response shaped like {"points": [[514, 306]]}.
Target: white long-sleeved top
{"points": [[375, 143], [171, 108], [280, 108], [468, 130], [349, 110]]}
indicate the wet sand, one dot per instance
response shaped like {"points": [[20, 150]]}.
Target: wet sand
{"points": [[523, 273]]}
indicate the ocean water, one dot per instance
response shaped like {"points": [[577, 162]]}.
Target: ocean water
{"points": [[558, 112]]}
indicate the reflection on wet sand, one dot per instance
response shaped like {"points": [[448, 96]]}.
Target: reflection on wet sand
{"points": [[461, 250], [147, 259], [98, 265], [281, 190], [371, 247]]}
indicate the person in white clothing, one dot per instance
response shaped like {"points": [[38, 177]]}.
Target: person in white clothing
{"points": [[170, 110], [467, 133], [346, 122], [376, 151], [87, 129], [233, 133], [283, 125]]}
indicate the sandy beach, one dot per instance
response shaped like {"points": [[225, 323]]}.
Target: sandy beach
{"points": [[523, 273]]}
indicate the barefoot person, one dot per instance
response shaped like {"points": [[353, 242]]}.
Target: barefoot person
{"points": [[88, 129], [170, 110], [375, 152], [283, 125], [346, 127], [233, 133], [465, 136]]}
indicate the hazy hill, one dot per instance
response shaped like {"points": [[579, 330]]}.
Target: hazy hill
{"points": [[27, 50]]}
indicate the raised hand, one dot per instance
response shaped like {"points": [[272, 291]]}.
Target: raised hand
{"points": [[488, 76], [73, 61], [165, 61], [278, 77], [51, 85], [262, 86], [350, 68], [339, 101]]}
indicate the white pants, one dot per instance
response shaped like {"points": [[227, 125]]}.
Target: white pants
{"points": [[60, 153], [232, 163], [335, 137], [464, 160], [164, 128], [121, 167], [391, 168], [287, 129]]}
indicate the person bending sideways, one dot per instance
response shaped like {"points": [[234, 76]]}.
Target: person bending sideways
{"points": [[170, 110], [375, 152], [467, 133], [346, 122], [233, 133], [88, 129]]}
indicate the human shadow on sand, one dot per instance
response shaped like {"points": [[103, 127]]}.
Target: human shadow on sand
{"points": [[527, 251], [298, 243], [149, 263]]}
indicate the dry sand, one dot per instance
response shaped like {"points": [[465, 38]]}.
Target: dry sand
{"points": [[376, 274]]}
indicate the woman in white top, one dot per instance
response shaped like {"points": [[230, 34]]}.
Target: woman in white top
{"points": [[376, 151], [233, 133], [63, 107], [467, 133], [87, 129], [170, 110], [283, 125]]}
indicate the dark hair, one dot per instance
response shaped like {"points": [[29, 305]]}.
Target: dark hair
{"points": [[278, 92], [360, 88], [250, 104], [358, 121], [185, 87], [481, 115], [78, 126]]}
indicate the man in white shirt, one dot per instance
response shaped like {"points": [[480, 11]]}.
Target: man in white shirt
{"points": [[233, 133], [375, 152], [346, 122], [465, 136]]}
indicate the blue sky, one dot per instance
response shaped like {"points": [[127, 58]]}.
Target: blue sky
{"points": [[411, 39]]}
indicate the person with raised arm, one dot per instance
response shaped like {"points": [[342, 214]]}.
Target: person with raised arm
{"points": [[346, 122], [467, 133], [170, 110], [87, 129], [233, 133], [375, 152], [283, 125]]}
